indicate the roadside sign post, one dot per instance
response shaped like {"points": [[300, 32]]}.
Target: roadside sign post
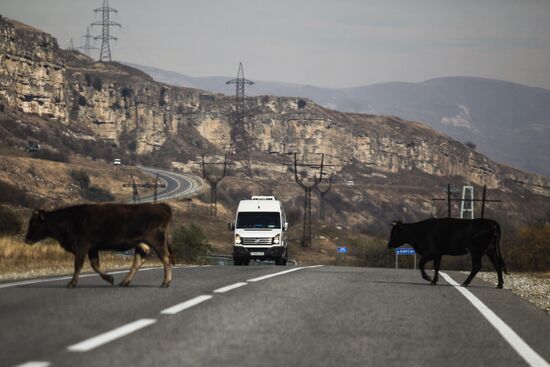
{"points": [[404, 251], [341, 251]]}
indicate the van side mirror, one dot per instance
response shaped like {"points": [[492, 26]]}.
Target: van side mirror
{"points": [[285, 226], [231, 226]]}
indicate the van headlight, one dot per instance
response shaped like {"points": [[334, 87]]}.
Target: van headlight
{"points": [[237, 239], [277, 239]]}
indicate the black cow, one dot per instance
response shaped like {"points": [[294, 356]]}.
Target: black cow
{"points": [[88, 229], [432, 238]]}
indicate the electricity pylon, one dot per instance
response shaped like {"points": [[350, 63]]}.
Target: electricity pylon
{"points": [[106, 23]]}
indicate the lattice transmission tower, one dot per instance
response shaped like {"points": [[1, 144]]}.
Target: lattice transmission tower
{"points": [[106, 23], [87, 47], [70, 45], [239, 138]]}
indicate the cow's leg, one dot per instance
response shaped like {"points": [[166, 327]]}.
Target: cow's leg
{"points": [[79, 258], [476, 266], [421, 265], [437, 263], [161, 248], [140, 253], [93, 256], [493, 256]]}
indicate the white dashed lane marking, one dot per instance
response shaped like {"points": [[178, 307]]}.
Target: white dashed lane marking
{"points": [[109, 336], [230, 287], [185, 305]]}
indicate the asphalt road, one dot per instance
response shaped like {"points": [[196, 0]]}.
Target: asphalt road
{"points": [[178, 185], [317, 316]]}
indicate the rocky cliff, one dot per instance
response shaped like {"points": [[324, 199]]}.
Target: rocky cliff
{"points": [[125, 106]]}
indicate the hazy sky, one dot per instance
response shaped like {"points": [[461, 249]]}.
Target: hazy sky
{"points": [[335, 43]]}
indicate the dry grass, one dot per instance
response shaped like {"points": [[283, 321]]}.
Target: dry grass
{"points": [[19, 260]]}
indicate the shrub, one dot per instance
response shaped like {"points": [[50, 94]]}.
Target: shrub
{"points": [[50, 155], [82, 101], [97, 84], [162, 94], [529, 249], [126, 92], [372, 253], [470, 145], [10, 222], [81, 178], [88, 78], [97, 194], [190, 244], [13, 195]]}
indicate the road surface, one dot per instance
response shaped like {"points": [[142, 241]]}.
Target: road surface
{"points": [[235, 316], [178, 185]]}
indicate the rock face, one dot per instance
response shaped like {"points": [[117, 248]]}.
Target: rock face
{"points": [[32, 75], [127, 107]]}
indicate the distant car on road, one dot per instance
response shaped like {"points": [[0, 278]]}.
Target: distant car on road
{"points": [[32, 146], [260, 231], [117, 162]]}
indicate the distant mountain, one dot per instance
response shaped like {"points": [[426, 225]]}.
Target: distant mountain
{"points": [[508, 122]]}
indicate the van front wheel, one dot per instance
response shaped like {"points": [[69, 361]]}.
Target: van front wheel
{"points": [[282, 260]]}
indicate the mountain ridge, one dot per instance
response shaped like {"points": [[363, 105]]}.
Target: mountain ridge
{"points": [[438, 102]]}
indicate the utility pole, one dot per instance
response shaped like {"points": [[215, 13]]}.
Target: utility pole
{"points": [[70, 45], [471, 199], [87, 47], [322, 194], [106, 23], [214, 181], [135, 192], [308, 188], [238, 131]]}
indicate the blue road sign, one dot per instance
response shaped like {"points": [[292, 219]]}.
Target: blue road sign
{"points": [[405, 251], [342, 250]]}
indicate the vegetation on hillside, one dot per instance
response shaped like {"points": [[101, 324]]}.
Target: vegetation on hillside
{"points": [[190, 244], [10, 221]]}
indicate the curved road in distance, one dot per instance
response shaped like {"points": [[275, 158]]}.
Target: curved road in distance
{"points": [[178, 185]]}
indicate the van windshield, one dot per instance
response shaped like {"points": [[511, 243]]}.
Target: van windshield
{"points": [[259, 220]]}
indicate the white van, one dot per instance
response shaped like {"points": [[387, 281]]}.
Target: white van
{"points": [[260, 231]]}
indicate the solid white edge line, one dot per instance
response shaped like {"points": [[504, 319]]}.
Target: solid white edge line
{"points": [[518, 344], [273, 275], [101, 339], [67, 277], [34, 364], [230, 287], [185, 305]]}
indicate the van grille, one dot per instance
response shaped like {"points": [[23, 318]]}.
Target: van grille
{"points": [[256, 240]]}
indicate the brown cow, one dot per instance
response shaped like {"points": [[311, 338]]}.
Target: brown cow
{"points": [[88, 229]]}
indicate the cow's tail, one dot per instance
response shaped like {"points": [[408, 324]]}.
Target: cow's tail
{"points": [[497, 245]]}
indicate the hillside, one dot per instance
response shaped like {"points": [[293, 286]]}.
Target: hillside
{"points": [[397, 165], [508, 122]]}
